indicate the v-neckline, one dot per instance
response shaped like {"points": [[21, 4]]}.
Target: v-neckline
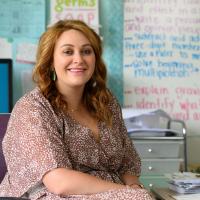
{"points": [[91, 133]]}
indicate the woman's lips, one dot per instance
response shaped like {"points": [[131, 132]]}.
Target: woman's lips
{"points": [[76, 70]]}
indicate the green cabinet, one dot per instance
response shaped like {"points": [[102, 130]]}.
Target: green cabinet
{"points": [[151, 181], [159, 156]]}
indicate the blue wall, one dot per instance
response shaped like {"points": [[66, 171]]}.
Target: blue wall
{"points": [[111, 19]]}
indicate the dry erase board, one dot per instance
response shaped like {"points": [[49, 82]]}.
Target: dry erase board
{"points": [[162, 57], [5, 85]]}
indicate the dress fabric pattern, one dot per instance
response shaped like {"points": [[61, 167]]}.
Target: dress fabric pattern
{"points": [[46, 140]]}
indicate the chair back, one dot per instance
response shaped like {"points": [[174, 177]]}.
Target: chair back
{"points": [[4, 117]]}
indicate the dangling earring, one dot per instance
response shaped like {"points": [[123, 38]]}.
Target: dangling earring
{"points": [[53, 75]]}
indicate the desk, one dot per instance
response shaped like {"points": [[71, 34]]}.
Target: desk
{"points": [[167, 194], [162, 193]]}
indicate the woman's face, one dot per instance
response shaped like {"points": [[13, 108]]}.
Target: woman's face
{"points": [[74, 60]]}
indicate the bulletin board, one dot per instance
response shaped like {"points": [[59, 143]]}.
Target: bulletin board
{"points": [[162, 58], [22, 18], [21, 24]]}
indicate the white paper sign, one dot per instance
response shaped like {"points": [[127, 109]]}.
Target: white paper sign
{"points": [[5, 48], [87, 11], [26, 52]]}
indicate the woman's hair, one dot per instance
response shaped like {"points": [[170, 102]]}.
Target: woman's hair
{"points": [[95, 96]]}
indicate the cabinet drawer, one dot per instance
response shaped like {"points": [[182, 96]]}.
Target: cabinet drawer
{"points": [[160, 166], [154, 181], [152, 149]]}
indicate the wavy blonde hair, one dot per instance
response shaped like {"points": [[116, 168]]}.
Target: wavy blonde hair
{"points": [[97, 98]]}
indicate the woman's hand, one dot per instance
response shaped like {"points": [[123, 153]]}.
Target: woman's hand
{"points": [[132, 181], [136, 186]]}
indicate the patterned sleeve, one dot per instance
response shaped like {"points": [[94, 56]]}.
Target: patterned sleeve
{"points": [[33, 143], [131, 162]]}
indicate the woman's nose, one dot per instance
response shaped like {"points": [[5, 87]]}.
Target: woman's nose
{"points": [[77, 58]]}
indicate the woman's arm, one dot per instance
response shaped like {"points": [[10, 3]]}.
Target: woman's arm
{"points": [[131, 180], [62, 181]]}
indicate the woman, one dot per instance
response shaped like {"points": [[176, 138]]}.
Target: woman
{"points": [[66, 139]]}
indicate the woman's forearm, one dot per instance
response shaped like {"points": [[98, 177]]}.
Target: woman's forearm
{"points": [[64, 181], [129, 179]]}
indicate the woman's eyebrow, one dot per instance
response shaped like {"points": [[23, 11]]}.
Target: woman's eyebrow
{"points": [[71, 45], [87, 45], [64, 45]]}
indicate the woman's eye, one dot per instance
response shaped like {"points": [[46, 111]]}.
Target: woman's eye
{"points": [[86, 51], [68, 52]]}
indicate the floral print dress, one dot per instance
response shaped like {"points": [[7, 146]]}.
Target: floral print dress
{"points": [[38, 139]]}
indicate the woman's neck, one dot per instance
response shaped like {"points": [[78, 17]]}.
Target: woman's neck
{"points": [[73, 97]]}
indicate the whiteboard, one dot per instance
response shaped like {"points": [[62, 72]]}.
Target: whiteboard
{"points": [[161, 63]]}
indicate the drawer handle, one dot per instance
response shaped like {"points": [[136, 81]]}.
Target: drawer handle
{"points": [[149, 150], [150, 168], [150, 185]]}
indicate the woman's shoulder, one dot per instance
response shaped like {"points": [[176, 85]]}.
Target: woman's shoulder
{"points": [[33, 100]]}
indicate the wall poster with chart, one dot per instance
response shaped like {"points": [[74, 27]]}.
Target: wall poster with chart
{"points": [[22, 18], [162, 57]]}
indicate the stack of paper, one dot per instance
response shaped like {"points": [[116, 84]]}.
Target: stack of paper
{"points": [[187, 196], [146, 123], [185, 183]]}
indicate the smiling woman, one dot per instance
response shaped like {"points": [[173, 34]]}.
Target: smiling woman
{"points": [[69, 135], [74, 60]]}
